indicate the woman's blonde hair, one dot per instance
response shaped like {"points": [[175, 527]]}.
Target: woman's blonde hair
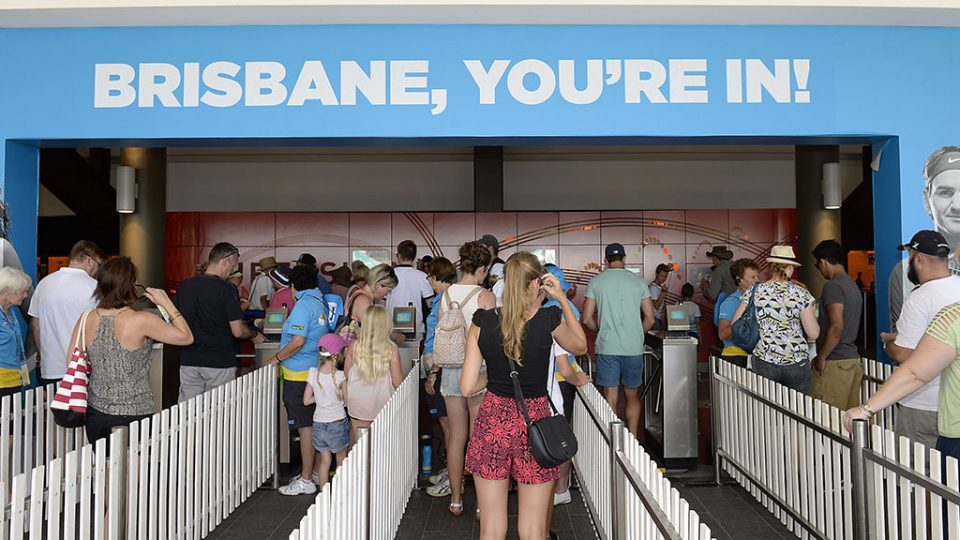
{"points": [[780, 271], [381, 274], [337, 360], [521, 268], [14, 280], [373, 350]]}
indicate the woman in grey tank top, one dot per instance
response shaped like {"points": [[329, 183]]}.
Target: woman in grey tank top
{"points": [[118, 342]]}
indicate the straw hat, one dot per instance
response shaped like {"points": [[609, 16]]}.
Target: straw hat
{"points": [[267, 263], [783, 255]]}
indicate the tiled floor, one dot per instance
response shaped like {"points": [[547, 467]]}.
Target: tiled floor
{"points": [[729, 511], [428, 518], [732, 513]]}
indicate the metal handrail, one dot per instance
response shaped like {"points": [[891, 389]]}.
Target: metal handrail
{"points": [[660, 518], [913, 476], [783, 410]]}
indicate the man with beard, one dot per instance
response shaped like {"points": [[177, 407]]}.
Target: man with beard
{"points": [[941, 197], [928, 268]]}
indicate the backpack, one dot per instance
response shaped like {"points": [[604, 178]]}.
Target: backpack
{"points": [[450, 335]]}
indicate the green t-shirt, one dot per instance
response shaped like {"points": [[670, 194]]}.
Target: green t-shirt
{"points": [[618, 293], [945, 327]]}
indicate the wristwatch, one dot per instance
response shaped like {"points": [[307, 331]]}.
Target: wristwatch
{"points": [[868, 409]]}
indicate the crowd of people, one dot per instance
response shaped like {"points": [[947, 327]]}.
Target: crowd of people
{"points": [[494, 334]]}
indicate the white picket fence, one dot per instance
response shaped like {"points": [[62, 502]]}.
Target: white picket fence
{"points": [[369, 492], [177, 474], [790, 451], [628, 496], [875, 374], [28, 435]]}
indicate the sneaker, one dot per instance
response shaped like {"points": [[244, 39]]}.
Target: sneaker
{"points": [[440, 490], [562, 498], [299, 486], [440, 477]]}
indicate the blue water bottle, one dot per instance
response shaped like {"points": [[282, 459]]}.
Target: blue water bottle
{"points": [[426, 466]]}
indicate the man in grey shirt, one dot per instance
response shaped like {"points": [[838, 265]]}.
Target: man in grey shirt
{"points": [[837, 370]]}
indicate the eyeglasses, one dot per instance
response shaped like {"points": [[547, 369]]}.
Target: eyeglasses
{"points": [[141, 292]]}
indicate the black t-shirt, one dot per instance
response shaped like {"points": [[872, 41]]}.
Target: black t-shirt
{"points": [[208, 304], [537, 347]]}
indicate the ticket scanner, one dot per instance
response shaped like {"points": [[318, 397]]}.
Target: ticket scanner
{"points": [[405, 323], [273, 320], [670, 374]]}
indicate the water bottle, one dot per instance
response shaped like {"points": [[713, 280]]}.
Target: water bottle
{"points": [[426, 466]]}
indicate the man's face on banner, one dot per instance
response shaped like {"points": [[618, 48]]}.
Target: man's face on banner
{"points": [[943, 200]]}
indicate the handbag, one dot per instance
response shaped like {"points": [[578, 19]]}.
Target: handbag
{"points": [[746, 329], [69, 406], [551, 439]]}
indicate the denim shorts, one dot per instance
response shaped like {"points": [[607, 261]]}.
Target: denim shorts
{"points": [[614, 370], [331, 437]]}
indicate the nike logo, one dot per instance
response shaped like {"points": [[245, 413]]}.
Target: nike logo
{"points": [[952, 160]]}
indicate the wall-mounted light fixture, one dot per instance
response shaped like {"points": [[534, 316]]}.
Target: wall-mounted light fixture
{"points": [[831, 186], [126, 189]]}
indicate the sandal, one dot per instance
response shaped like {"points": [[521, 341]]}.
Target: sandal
{"points": [[456, 508]]}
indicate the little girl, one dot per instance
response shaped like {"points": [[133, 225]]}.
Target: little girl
{"points": [[331, 429], [372, 369]]}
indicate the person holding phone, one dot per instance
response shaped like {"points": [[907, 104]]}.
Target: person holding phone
{"points": [[119, 342]]}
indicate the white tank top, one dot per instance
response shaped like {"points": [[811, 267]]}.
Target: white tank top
{"points": [[457, 294]]}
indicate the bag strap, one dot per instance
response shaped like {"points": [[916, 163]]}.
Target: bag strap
{"points": [[470, 296], [81, 342], [517, 393]]}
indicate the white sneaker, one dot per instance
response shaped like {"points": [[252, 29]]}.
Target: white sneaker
{"points": [[440, 477], [562, 498], [440, 490], [299, 486]]}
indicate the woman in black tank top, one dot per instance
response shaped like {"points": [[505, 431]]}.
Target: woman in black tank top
{"points": [[498, 448]]}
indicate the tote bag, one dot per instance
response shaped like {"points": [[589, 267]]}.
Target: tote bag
{"points": [[69, 405]]}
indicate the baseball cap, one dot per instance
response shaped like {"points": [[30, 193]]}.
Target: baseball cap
{"points": [[490, 240], [306, 259], [929, 243], [558, 273], [615, 250], [332, 342]]}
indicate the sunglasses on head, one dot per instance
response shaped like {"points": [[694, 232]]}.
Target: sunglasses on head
{"points": [[141, 291]]}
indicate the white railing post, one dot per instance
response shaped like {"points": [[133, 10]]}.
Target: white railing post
{"points": [[617, 483]]}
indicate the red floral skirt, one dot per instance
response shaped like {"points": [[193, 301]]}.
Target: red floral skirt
{"points": [[498, 448]]}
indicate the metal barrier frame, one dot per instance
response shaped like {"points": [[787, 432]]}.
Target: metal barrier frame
{"points": [[862, 456], [623, 474]]}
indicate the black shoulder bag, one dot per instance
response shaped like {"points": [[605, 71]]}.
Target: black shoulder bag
{"points": [[551, 439]]}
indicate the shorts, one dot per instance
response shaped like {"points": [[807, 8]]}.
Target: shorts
{"points": [[450, 383], [331, 437], [435, 403], [917, 425], [99, 425], [298, 414], [498, 448], [614, 370], [839, 385]]}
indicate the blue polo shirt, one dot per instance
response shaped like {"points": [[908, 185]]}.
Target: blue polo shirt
{"points": [[308, 319], [11, 348], [726, 311]]}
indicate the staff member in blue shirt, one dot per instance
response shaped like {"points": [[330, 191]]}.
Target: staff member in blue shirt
{"points": [[299, 351], [14, 374]]}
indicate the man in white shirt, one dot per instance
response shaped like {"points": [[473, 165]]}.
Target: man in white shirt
{"points": [[261, 290], [658, 289], [928, 267], [412, 287], [57, 304]]}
